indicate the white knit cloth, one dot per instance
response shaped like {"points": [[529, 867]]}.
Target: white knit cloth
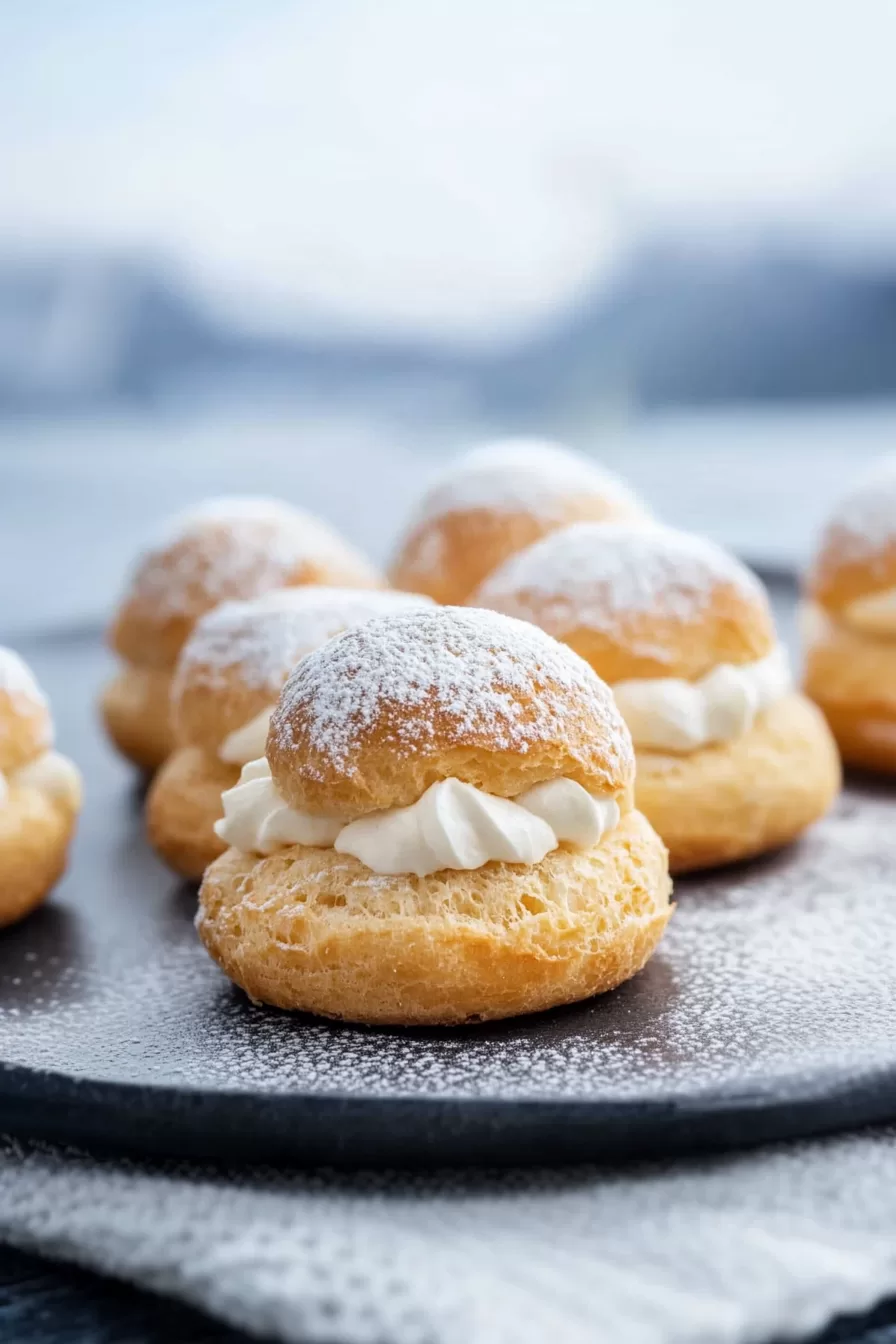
{"points": [[748, 1248]]}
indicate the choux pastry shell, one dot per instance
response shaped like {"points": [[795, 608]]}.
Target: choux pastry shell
{"points": [[229, 673], [731, 762], [225, 549], [40, 794], [494, 501], [366, 725], [849, 622]]}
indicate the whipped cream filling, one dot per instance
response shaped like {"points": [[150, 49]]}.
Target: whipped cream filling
{"points": [[813, 623], [874, 615], [670, 714], [52, 774], [453, 825], [247, 743]]}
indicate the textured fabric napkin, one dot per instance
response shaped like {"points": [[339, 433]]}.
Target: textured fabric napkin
{"points": [[749, 1248]]}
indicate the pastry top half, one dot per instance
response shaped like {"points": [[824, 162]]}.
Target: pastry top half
{"points": [[637, 601], [226, 549], [376, 716], [492, 502], [854, 573], [234, 664], [679, 628], [27, 760]]}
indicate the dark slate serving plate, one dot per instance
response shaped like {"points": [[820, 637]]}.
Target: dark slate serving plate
{"points": [[769, 1012]]}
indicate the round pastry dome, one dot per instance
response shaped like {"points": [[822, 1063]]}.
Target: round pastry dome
{"points": [[25, 725], [375, 716], [637, 601], [236, 660], [492, 502], [856, 557], [226, 549]]}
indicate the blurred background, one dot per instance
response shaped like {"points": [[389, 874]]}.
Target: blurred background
{"points": [[309, 248]]}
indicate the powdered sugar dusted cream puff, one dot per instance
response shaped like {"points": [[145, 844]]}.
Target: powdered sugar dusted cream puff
{"points": [[492, 502], [849, 621], [441, 831], [731, 760], [40, 794], [228, 677], [224, 549]]}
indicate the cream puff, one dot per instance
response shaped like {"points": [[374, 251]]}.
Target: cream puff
{"points": [[731, 761], [441, 831], [849, 622], [228, 676], [40, 794], [224, 549], [494, 501]]}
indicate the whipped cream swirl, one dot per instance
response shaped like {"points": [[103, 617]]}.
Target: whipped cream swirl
{"points": [[247, 743], [453, 825], [670, 714]]}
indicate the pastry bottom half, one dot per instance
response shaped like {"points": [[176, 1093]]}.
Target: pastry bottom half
{"points": [[182, 806], [135, 710], [34, 839], [852, 677], [736, 799], [314, 930]]}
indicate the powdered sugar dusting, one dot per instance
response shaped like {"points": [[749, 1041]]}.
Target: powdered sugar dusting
{"points": [[528, 475], [237, 547], [17, 680], [262, 639], [592, 575], [473, 665], [226, 508], [864, 522]]}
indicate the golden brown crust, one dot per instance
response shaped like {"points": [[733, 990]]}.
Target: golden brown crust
{"points": [[26, 728], [865, 742], [856, 556], [376, 716], [852, 677], [25, 731], [837, 579], [136, 713], [220, 556], [744, 797], [472, 543], [308, 929], [637, 601], [34, 840], [205, 712], [182, 807]]}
